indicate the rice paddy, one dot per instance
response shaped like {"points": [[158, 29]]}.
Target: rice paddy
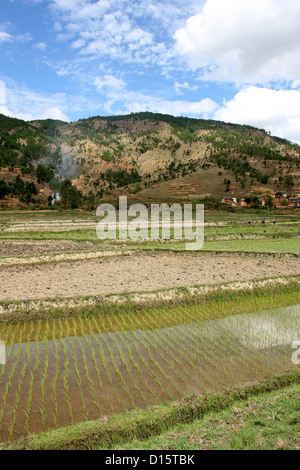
{"points": [[95, 329], [63, 372]]}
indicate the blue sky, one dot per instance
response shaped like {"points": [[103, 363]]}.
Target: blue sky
{"points": [[232, 60]]}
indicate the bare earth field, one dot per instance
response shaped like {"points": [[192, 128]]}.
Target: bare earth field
{"points": [[27, 248], [135, 272]]}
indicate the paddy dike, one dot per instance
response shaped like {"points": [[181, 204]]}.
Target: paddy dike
{"points": [[136, 272]]}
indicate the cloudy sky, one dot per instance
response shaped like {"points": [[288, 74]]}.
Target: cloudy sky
{"points": [[231, 60]]}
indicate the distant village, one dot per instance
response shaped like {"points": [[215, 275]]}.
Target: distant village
{"points": [[278, 200]]}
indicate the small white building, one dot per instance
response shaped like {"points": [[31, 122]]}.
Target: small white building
{"points": [[229, 200]]}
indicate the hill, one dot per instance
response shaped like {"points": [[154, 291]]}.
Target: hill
{"points": [[155, 156]]}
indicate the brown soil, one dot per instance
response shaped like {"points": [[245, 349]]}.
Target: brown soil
{"points": [[23, 248], [136, 272]]}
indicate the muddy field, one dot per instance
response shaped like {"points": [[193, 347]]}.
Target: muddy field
{"points": [[136, 272]]}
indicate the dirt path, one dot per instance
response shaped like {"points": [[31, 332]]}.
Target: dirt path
{"points": [[137, 272]]}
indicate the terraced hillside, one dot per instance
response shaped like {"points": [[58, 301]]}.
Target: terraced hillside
{"points": [[150, 155]]}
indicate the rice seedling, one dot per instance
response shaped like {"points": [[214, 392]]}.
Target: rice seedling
{"points": [[17, 401], [37, 355], [29, 404], [43, 410]]}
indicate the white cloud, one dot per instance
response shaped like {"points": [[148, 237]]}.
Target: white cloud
{"points": [[115, 92], [184, 86], [57, 27], [40, 46], [4, 37], [295, 84], [277, 111], [2, 93], [81, 9], [25, 104], [202, 108], [53, 113], [245, 41], [115, 29], [110, 82]]}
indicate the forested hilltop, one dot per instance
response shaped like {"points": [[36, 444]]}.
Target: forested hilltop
{"points": [[153, 156]]}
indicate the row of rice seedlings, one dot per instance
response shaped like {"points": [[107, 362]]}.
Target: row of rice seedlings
{"points": [[126, 364], [79, 383], [140, 321], [88, 377], [121, 337], [209, 361], [170, 355], [174, 316], [102, 355], [135, 326], [191, 352], [154, 342], [160, 314], [216, 309], [5, 335], [55, 380], [178, 338], [37, 352], [229, 348], [65, 376], [136, 366], [125, 339], [192, 313], [17, 401], [119, 322], [151, 361], [14, 367], [95, 360], [78, 375], [66, 389], [92, 350], [117, 371], [268, 331], [29, 403], [102, 339], [43, 410], [182, 353], [150, 370], [29, 335], [204, 333]]}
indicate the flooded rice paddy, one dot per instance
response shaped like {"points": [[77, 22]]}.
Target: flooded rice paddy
{"points": [[68, 371]]}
